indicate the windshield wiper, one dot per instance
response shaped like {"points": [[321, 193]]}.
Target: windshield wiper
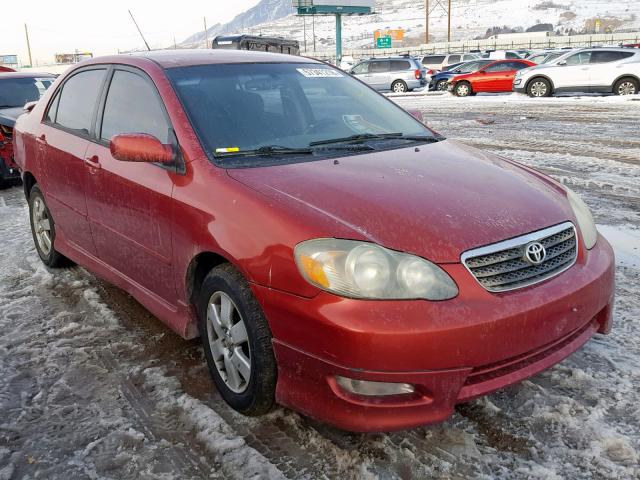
{"points": [[268, 150], [9, 106], [378, 136]]}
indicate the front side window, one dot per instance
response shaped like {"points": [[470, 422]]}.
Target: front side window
{"points": [[16, 91], [133, 106], [244, 107], [78, 99], [498, 67], [361, 68], [581, 58]]}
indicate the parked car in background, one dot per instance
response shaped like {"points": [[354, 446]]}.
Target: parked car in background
{"points": [[603, 70], [6, 69], [545, 56], [438, 62], [398, 74], [440, 81], [631, 45], [501, 55], [494, 77], [275, 206], [16, 90]]}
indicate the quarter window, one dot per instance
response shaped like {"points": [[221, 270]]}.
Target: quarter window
{"points": [[78, 100], [399, 65], [133, 106]]}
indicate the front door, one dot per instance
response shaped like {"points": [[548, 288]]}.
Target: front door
{"points": [[63, 142], [129, 204], [574, 74]]}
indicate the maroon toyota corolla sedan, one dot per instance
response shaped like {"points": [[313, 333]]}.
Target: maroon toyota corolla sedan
{"points": [[334, 254]]}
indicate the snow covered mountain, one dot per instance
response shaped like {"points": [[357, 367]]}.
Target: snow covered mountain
{"points": [[470, 19]]}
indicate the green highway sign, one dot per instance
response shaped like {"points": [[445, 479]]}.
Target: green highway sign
{"points": [[383, 42]]}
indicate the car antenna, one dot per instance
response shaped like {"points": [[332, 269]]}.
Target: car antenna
{"points": [[139, 31]]}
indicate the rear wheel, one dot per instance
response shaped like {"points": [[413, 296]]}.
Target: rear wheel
{"points": [[539, 87], [462, 89], [626, 86], [399, 86], [237, 342], [44, 230]]}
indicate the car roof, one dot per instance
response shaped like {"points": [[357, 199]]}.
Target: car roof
{"points": [[25, 75], [191, 57]]}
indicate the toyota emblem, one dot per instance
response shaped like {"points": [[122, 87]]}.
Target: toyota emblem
{"points": [[535, 253]]}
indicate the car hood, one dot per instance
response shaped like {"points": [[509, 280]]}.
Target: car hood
{"points": [[435, 201], [8, 116]]}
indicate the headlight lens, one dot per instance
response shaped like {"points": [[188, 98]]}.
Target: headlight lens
{"points": [[364, 270], [585, 219]]}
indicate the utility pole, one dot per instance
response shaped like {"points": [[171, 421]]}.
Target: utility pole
{"points": [[26, 32], [313, 28], [206, 35], [426, 27], [304, 32], [449, 22]]}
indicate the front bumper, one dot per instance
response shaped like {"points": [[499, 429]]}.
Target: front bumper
{"points": [[519, 85], [451, 351]]}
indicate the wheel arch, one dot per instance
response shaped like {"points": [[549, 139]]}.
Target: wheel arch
{"points": [[534, 77], [198, 268], [28, 181], [626, 75]]}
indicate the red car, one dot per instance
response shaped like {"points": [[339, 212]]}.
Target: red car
{"points": [[333, 253], [495, 77], [16, 89]]}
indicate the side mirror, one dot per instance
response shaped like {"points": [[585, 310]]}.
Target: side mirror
{"points": [[29, 106], [140, 147], [415, 113], [562, 62]]}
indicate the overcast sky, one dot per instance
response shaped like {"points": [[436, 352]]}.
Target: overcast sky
{"points": [[103, 27]]}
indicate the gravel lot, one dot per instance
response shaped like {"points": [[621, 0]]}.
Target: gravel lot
{"points": [[91, 386]]}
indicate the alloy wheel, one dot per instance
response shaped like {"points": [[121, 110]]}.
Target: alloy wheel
{"points": [[42, 226], [538, 89], [627, 88], [399, 87], [229, 342], [462, 90]]}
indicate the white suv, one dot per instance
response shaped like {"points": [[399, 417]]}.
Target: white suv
{"points": [[605, 70]]}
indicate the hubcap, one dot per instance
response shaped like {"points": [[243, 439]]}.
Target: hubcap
{"points": [[463, 90], [41, 226], [627, 88], [229, 342], [398, 87], [539, 89]]}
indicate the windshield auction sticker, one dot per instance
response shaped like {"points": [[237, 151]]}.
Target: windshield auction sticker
{"points": [[320, 73]]}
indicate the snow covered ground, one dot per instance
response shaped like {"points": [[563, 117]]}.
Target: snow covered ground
{"points": [[91, 386]]}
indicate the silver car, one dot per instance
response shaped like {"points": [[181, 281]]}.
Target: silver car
{"points": [[398, 74]]}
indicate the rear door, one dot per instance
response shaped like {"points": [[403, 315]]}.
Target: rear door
{"points": [[605, 68], [130, 204], [62, 144]]}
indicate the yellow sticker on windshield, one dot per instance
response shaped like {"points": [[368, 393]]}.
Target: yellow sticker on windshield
{"points": [[227, 150]]}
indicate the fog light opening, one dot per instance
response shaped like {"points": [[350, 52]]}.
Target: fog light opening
{"points": [[373, 389]]}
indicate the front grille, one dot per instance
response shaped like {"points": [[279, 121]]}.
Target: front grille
{"points": [[503, 266]]}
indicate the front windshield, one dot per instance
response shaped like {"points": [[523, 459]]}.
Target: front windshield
{"points": [[246, 107], [16, 91]]}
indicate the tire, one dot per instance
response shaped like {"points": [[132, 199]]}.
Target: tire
{"points": [[255, 395], [399, 87], [626, 86], [43, 230], [539, 87], [441, 86], [463, 89]]}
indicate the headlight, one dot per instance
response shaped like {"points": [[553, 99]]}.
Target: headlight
{"points": [[585, 219], [356, 269]]}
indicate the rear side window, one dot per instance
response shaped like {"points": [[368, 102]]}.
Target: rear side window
{"points": [[470, 57], [78, 100], [432, 59], [453, 59], [133, 106], [605, 57], [379, 67], [511, 55], [400, 65]]}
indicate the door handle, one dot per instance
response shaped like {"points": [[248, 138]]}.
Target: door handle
{"points": [[93, 162], [42, 139]]}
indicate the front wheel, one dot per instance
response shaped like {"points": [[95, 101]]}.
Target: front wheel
{"points": [[399, 86], [44, 230], [539, 87], [462, 89], [237, 342], [626, 86]]}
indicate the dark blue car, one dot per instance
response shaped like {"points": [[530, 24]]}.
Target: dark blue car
{"points": [[439, 80]]}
